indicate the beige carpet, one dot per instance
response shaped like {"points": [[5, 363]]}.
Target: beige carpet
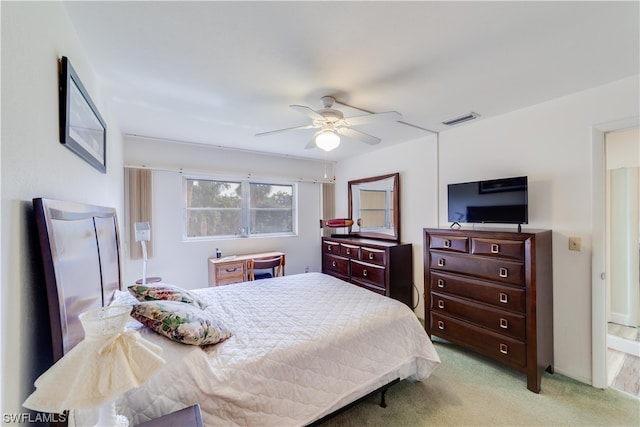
{"points": [[468, 390]]}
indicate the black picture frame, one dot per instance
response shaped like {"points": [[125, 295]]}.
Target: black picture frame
{"points": [[82, 129]]}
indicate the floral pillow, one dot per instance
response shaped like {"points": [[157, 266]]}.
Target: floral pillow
{"points": [[163, 291], [181, 322]]}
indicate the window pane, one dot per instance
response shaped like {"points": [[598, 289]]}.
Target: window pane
{"points": [[213, 222], [271, 196], [213, 208], [213, 194], [271, 208], [221, 208], [271, 221]]}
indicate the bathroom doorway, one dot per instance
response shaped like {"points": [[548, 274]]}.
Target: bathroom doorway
{"points": [[622, 187]]}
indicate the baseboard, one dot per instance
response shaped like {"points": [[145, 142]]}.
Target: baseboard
{"points": [[620, 318], [626, 346]]}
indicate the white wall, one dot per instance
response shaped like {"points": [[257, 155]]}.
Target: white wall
{"points": [[551, 144], [35, 164], [416, 161], [184, 263]]}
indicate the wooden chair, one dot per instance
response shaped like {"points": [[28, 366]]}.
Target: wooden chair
{"points": [[276, 265]]}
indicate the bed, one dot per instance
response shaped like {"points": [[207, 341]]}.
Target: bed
{"points": [[302, 346]]}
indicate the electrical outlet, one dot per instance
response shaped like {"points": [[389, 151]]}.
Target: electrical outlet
{"points": [[574, 243]]}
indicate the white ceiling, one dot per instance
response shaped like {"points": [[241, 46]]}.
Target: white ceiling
{"points": [[220, 72]]}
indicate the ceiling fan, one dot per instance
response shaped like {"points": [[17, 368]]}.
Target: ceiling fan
{"points": [[332, 123]]}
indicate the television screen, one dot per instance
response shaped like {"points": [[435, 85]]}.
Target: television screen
{"points": [[494, 201]]}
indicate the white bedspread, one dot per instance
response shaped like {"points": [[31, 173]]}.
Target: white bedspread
{"points": [[303, 346]]}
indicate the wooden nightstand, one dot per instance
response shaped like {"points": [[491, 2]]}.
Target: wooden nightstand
{"points": [[187, 417]]}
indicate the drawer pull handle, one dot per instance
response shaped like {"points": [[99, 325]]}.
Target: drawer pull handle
{"points": [[328, 248], [440, 283], [348, 251], [371, 256], [447, 243], [440, 304], [504, 323], [495, 248], [504, 298], [504, 272], [365, 273], [504, 349], [441, 262], [333, 263], [440, 324], [231, 270]]}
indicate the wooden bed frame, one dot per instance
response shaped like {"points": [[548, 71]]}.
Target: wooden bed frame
{"points": [[80, 251]]}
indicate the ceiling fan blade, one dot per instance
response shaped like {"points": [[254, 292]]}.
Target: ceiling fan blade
{"points": [[360, 136], [375, 117], [311, 144], [307, 112], [285, 130]]}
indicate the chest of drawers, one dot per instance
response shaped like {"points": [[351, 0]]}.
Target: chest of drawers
{"points": [[492, 292], [380, 266]]}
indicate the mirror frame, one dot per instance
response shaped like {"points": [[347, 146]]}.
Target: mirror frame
{"points": [[396, 208]]}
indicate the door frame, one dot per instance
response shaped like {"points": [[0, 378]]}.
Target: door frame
{"points": [[599, 298]]}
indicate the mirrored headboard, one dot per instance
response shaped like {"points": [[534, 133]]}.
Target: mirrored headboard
{"points": [[374, 206]]}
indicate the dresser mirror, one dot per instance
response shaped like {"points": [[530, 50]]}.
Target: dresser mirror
{"points": [[374, 206]]}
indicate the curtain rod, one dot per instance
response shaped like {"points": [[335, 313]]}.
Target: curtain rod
{"points": [[330, 178]]}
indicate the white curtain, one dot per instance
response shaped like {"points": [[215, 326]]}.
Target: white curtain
{"points": [[328, 205]]}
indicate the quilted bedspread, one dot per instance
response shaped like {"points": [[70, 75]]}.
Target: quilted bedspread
{"points": [[302, 346]]}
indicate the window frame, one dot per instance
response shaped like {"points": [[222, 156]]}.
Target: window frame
{"points": [[245, 208]]}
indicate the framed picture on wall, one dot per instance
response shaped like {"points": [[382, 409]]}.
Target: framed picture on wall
{"points": [[82, 129]]}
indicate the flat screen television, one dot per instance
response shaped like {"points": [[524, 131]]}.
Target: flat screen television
{"points": [[501, 201]]}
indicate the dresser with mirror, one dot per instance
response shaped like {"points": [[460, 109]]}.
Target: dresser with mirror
{"points": [[371, 255]]}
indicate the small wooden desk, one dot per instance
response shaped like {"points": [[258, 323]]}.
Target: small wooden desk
{"points": [[233, 269]]}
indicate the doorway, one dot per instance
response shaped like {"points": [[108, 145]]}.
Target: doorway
{"points": [[622, 257]]}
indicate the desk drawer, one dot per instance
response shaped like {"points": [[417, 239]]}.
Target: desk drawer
{"points": [[230, 272]]}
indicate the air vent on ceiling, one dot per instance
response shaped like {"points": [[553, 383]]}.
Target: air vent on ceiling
{"points": [[458, 120]]}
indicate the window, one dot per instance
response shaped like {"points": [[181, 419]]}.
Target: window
{"points": [[238, 208]]}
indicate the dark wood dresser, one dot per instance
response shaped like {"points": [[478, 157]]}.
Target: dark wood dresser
{"points": [[380, 266], [492, 292]]}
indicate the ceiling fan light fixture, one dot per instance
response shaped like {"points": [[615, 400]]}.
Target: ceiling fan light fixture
{"points": [[327, 140]]}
